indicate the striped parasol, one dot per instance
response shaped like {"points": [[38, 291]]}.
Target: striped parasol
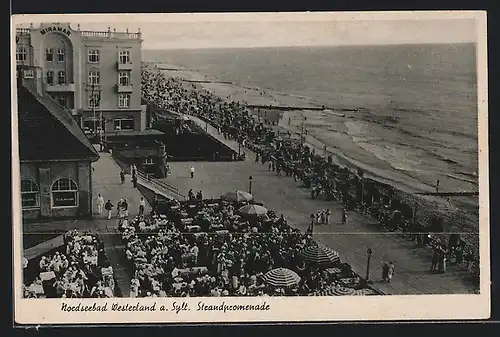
{"points": [[365, 292], [336, 291], [238, 196], [281, 277], [253, 210], [320, 255]]}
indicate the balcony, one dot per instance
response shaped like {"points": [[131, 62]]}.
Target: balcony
{"points": [[124, 88], [125, 66], [68, 87]]}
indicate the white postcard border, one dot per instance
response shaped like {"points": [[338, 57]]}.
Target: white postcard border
{"points": [[297, 309]]}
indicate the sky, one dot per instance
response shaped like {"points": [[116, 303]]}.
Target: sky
{"points": [[179, 31]]}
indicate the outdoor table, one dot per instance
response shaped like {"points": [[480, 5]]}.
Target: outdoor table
{"points": [[212, 205], [107, 271], [199, 270], [37, 289], [348, 281], [187, 221], [217, 227], [193, 228], [47, 276], [184, 214], [225, 231], [334, 270], [172, 208]]}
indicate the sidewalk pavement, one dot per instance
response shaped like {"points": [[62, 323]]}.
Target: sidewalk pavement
{"points": [[106, 181], [352, 240]]}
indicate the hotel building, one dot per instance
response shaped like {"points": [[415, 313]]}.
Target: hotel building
{"points": [[95, 75]]}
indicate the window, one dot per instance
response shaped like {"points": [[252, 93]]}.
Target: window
{"points": [[64, 193], [94, 77], [124, 101], [30, 196], [49, 55], [149, 161], [21, 54], [60, 55], [124, 78], [29, 73], [50, 77], [61, 77], [124, 123], [90, 125], [94, 100], [93, 56], [124, 56]]}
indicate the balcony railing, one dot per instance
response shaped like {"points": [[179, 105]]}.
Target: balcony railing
{"points": [[124, 66], [124, 88], [23, 31], [68, 87], [111, 35]]}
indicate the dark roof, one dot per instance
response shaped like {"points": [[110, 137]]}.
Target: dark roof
{"points": [[47, 131]]}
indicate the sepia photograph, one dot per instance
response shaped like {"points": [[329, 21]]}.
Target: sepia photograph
{"points": [[220, 165]]}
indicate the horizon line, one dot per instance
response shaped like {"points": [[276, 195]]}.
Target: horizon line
{"points": [[317, 46]]}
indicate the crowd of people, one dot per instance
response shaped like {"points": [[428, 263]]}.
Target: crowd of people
{"points": [[209, 248], [79, 269], [293, 158]]}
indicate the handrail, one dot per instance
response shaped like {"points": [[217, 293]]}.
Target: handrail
{"points": [[160, 184]]}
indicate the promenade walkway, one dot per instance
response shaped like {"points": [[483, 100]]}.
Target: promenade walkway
{"points": [[106, 181], [351, 240]]}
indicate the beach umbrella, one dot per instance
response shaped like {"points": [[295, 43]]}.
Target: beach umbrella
{"points": [[238, 196], [320, 255], [365, 292], [337, 291], [253, 210], [281, 277]]}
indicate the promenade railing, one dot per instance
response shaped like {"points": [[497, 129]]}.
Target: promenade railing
{"points": [[160, 185]]}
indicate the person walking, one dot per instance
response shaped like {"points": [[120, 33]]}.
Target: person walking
{"points": [[134, 181], [385, 272], [435, 259], [327, 216], [191, 170], [124, 207], [344, 215], [391, 271], [122, 176], [100, 204], [119, 207], [108, 207], [142, 206]]}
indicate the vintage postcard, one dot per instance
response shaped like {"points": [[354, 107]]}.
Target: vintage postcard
{"points": [[250, 167]]}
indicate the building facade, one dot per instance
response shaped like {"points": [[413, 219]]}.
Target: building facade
{"points": [[95, 75], [54, 153]]}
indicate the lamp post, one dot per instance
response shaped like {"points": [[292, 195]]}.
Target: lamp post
{"points": [[250, 184], [369, 253]]}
